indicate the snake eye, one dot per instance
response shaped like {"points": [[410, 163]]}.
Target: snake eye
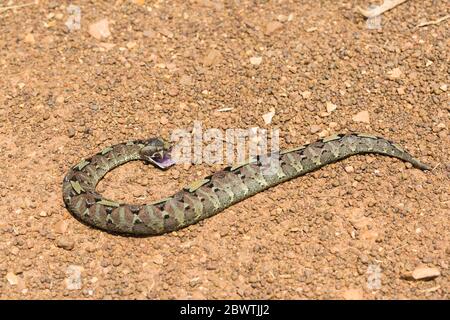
{"points": [[158, 144], [156, 155]]}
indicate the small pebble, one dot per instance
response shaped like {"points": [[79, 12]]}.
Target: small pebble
{"points": [[256, 61], [273, 26], [395, 73], [131, 45], [29, 38], [422, 273], [315, 128], [353, 294], [100, 29], [164, 120], [306, 94], [175, 174], [65, 243], [12, 278], [333, 125], [401, 90], [212, 57], [61, 226], [185, 80], [362, 116], [139, 2], [148, 33], [71, 132], [323, 134], [331, 107], [14, 250], [60, 99], [268, 117], [312, 29], [158, 259], [106, 45], [349, 169], [172, 91]]}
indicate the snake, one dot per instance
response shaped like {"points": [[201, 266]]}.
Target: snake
{"points": [[208, 196]]}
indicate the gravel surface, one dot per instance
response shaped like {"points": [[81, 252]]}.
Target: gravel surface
{"points": [[368, 227]]}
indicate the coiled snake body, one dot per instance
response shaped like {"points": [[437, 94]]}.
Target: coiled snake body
{"points": [[205, 197]]}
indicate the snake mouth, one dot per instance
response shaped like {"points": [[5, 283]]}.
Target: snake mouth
{"points": [[163, 162]]}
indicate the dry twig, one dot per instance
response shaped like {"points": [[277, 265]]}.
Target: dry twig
{"points": [[428, 23], [3, 9]]}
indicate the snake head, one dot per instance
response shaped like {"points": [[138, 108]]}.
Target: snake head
{"points": [[157, 152]]}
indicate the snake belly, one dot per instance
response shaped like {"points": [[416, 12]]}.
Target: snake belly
{"points": [[206, 197]]}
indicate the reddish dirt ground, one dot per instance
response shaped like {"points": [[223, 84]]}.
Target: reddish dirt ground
{"points": [[354, 230]]}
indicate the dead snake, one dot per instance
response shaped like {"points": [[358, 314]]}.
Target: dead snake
{"points": [[208, 196]]}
